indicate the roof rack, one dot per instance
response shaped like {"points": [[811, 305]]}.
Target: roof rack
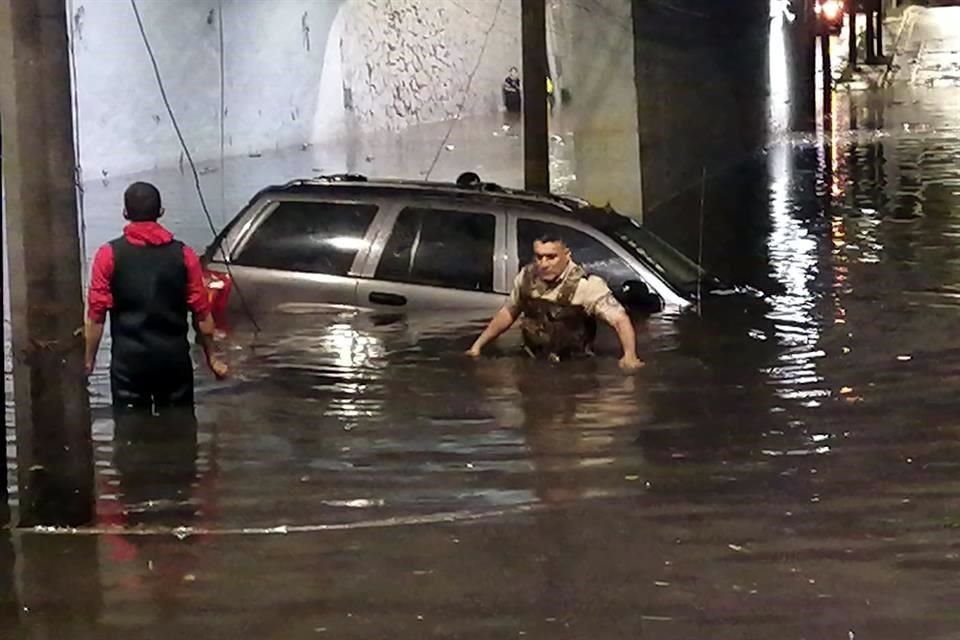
{"points": [[492, 188]]}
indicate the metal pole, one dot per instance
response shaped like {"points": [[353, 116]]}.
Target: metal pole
{"points": [[4, 471], [868, 6], [54, 448], [536, 149]]}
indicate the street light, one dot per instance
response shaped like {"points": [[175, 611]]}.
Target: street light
{"points": [[829, 16]]}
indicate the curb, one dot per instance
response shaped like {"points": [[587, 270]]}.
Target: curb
{"points": [[909, 16]]}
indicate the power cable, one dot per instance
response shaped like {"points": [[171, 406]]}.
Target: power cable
{"points": [[466, 91], [186, 152]]}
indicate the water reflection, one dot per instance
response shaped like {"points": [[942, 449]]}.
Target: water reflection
{"points": [[155, 460]]}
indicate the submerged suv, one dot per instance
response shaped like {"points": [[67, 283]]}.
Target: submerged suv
{"points": [[346, 241]]}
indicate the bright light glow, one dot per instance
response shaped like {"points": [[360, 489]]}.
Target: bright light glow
{"points": [[831, 9], [778, 76], [346, 243]]}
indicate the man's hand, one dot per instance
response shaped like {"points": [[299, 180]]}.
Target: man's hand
{"points": [[218, 367], [501, 321], [630, 362], [93, 333]]}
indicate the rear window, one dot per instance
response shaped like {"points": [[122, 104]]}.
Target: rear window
{"points": [[441, 248], [312, 237]]}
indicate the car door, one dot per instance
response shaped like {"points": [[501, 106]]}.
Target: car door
{"points": [[438, 255], [299, 253], [591, 249]]}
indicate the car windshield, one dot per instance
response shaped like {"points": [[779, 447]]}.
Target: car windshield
{"points": [[678, 270]]}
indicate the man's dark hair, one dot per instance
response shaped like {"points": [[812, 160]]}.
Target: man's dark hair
{"points": [[142, 202], [548, 236]]}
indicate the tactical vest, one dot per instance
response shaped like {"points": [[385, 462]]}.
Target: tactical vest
{"points": [[150, 353], [554, 329]]}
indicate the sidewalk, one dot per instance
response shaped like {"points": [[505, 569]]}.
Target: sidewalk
{"points": [[866, 76]]}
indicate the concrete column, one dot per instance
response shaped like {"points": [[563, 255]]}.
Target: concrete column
{"points": [[803, 60], [871, 36], [603, 116], [536, 142], [54, 449]]}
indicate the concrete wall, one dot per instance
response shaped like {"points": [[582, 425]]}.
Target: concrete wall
{"points": [[409, 61], [702, 87], [594, 55], [287, 67]]}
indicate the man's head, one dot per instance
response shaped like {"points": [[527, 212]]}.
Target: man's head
{"points": [[468, 179], [514, 72], [141, 203], [551, 255]]}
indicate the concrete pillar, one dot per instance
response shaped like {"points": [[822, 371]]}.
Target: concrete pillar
{"points": [[803, 60], [536, 141], [603, 113], [54, 448], [871, 36]]}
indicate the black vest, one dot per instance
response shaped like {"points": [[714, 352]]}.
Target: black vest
{"points": [[149, 319], [557, 329]]}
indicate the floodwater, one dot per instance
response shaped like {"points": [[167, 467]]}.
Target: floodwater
{"points": [[787, 471]]}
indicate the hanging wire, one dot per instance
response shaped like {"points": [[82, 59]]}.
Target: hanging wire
{"points": [[466, 91], [186, 152], [223, 176]]}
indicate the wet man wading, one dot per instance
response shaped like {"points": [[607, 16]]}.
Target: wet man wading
{"points": [[559, 304], [148, 283]]}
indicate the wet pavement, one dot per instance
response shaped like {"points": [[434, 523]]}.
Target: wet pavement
{"points": [[786, 471]]}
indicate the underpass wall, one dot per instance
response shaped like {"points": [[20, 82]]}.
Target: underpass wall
{"points": [[294, 72]]}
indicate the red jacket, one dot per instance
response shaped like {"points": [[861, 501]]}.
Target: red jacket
{"points": [[100, 297]]}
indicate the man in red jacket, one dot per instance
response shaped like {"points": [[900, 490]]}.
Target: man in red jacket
{"points": [[149, 283]]}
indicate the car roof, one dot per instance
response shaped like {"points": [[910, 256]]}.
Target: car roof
{"points": [[492, 193]]}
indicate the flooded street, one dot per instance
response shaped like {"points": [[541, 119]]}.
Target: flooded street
{"points": [[788, 470]]}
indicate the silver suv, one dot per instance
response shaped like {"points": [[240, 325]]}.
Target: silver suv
{"points": [[346, 241]]}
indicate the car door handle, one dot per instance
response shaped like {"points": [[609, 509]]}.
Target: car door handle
{"points": [[391, 299]]}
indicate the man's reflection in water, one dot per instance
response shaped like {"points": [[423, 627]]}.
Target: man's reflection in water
{"points": [[155, 455], [579, 420]]}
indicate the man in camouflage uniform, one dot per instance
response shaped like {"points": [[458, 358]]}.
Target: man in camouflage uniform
{"points": [[558, 304]]}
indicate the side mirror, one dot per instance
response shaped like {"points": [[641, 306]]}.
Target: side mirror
{"points": [[636, 295]]}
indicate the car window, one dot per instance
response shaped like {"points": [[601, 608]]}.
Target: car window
{"points": [[313, 237], [591, 254], [441, 248]]}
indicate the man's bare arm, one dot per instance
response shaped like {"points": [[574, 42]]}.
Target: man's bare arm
{"points": [[622, 324], [205, 328], [616, 316], [93, 334], [500, 323]]}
